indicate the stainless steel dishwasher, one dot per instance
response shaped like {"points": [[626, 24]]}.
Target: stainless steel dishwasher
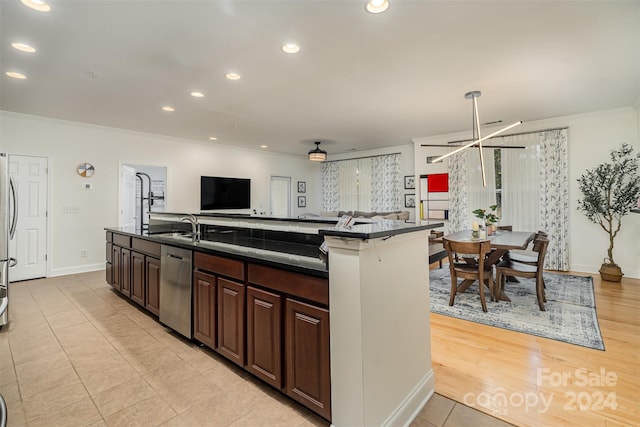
{"points": [[176, 289]]}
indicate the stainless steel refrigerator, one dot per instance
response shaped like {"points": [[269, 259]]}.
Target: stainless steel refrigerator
{"points": [[8, 220]]}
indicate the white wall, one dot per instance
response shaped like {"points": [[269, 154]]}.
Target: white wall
{"points": [[66, 144], [591, 138], [406, 164]]}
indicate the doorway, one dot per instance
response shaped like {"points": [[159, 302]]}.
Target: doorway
{"points": [[142, 190], [29, 245], [281, 196]]}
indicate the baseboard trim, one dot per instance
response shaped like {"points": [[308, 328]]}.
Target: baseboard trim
{"points": [[76, 269], [590, 269], [411, 406]]}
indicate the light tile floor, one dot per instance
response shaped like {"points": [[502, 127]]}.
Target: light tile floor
{"points": [[76, 353]]}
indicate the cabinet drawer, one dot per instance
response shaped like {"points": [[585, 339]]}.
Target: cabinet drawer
{"points": [[311, 288], [147, 247], [122, 240], [222, 266]]}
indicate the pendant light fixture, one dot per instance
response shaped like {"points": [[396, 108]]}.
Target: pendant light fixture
{"points": [[477, 139], [317, 155]]}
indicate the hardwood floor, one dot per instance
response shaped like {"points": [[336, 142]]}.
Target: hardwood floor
{"points": [[532, 381]]}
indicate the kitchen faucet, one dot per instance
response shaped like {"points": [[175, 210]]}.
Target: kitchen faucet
{"points": [[195, 226]]}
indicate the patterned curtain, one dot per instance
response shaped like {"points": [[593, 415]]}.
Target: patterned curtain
{"points": [[458, 198], [554, 197], [368, 184], [386, 187], [329, 192]]}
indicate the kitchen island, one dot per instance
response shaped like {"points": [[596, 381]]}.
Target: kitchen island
{"points": [[345, 335]]}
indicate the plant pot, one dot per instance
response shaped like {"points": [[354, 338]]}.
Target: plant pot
{"points": [[611, 272]]}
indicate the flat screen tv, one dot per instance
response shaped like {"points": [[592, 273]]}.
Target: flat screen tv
{"points": [[224, 193]]}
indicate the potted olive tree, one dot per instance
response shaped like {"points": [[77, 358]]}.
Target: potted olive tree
{"points": [[610, 191]]}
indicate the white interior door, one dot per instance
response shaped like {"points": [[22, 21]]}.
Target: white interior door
{"points": [[127, 196], [29, 244], [281, 196]]}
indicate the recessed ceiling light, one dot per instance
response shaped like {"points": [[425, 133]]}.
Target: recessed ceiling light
{"points": [[233, 76], [38, 5], [197, 94], [213, 138], [23, 47], [377, 6], [168, 108], [16, 75], [264, 146], [291, 48]]}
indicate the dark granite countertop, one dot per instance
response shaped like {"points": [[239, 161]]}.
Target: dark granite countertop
{"points": [[363, 228], [299, 256], [375, 230], [252, 250]]}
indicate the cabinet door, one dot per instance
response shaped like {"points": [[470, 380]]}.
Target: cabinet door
{"points": [[204, 308], [108, 273], [116, 278], [307, 356], [125, 278], [264, 342], [231, 318], [137, 278], [109, 264], [152, 285]]}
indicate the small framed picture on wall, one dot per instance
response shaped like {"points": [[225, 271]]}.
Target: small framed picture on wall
{"points": [[302, 202], [409, 182], [409, 200], [302, 187]]}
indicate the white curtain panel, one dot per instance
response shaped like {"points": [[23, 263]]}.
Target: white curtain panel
{"points": [[458, 196], [480, 197], [330, 193], [386, 183], [521, 183], [364, 184], [554, 197], [348, 184]]}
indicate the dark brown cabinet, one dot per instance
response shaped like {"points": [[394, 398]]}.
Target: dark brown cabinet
{"points": [[152, 290], [108, 267], [264, 335], [134, 269], [116, 267], [125, 276], [231, 320], [307, 356], [137, 277], [204, 308]]}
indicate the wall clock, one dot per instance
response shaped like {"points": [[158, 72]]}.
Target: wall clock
{"points": [[85, 170]]}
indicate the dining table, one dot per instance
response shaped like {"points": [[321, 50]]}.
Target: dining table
{"points": [[502, 241]]}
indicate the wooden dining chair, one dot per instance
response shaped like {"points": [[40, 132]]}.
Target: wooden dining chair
{"points": [[512, 268], [526, 256], [469, 271]]}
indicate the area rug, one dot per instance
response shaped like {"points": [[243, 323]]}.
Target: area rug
{"points": [[570, 314]]}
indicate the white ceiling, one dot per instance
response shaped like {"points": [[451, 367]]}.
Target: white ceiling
{"points": [[360, 81]]}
